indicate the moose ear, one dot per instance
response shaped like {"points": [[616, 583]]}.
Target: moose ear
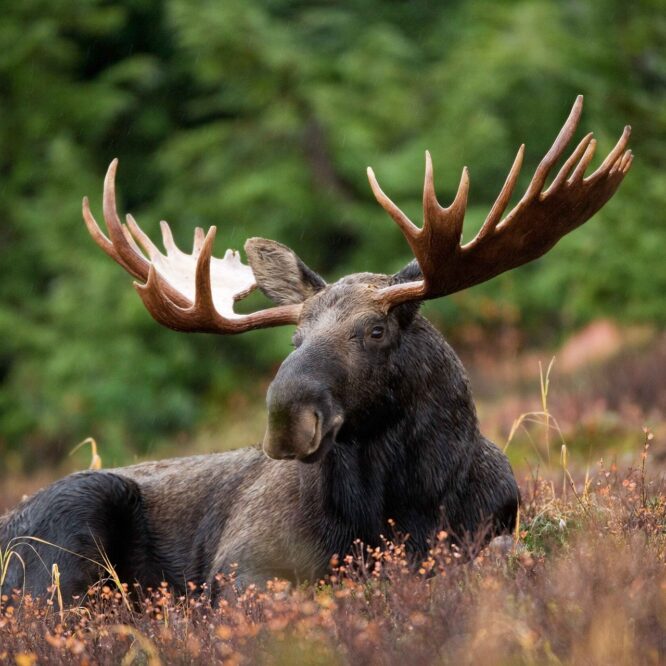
{"points": [[279, 273], [411, 272]]}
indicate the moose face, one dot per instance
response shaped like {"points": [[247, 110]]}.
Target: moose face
{"points": [[343, 348]]}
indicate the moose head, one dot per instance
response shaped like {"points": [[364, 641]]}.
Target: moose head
{"points": [[349, 333]]}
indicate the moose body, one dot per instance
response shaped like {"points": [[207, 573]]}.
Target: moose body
{"points": [[370, 418], [412, 453]]}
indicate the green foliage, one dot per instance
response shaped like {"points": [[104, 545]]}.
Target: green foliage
{"points": [[546, 533], [261, 117]]}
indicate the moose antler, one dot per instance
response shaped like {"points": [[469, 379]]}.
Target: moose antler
{"points": [[186, 292], [535, 225], [197, 292]]}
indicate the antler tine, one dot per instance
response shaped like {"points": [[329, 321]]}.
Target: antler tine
{"points": [[198, 240], [204, 290], [99, 237], [136, 267], [447, 223], [167, 239], [556, 150], [612, 157], [143, 239], [408, 228], [502, 201], [137, 262], [627, 159], [581, 167], [130, 239], [580, 151]]}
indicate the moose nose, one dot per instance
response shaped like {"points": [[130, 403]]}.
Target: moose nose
{"points": [[303, 414], [292, 433]]}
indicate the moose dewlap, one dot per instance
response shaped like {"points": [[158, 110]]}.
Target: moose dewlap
{"points": [[370, 418]]}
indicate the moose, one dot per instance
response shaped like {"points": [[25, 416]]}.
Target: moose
{"points": [[370, 418]]}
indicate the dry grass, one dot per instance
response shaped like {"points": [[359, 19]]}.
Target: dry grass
{"points": [[599, 401], [585, 584]]}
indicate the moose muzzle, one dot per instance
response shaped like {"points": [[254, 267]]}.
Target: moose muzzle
{"points": [[293, 433], [303, 418]]}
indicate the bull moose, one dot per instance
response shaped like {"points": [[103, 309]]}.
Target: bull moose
{"points": [[370, 418]]}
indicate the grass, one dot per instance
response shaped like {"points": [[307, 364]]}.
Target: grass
{"points": [[584, 582], [103, 564], [95, 458]]}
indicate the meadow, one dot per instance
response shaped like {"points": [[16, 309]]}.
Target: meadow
{"points": [[582, 581]]}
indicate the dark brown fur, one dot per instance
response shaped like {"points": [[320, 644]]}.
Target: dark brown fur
{"points": [[368, 428]]}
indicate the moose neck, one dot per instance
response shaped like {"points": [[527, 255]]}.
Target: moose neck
{"points": [[400, 457]]}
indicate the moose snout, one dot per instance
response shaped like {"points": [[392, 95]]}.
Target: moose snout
{"points": [[304, 415], [293, 432]]}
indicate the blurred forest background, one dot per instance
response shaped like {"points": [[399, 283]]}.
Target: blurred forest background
{"points": [[260, 117]]}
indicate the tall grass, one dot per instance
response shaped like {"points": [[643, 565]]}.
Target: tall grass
{"points": [[585, 584]]}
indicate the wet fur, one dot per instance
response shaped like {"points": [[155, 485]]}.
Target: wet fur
{"points": [[409, 450]]}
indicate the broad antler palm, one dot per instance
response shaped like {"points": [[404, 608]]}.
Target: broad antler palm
{"points": [[186, 292]]}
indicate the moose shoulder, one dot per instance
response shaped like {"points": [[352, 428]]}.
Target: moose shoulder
{"points": [[370, 418]]}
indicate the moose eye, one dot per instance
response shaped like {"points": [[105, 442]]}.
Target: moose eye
{"points": [[377, 332]]}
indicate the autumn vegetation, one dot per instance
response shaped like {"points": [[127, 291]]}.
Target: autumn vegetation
{"points": [[584, 583]]}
